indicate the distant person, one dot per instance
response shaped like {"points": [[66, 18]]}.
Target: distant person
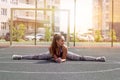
{"points": [[58, 52]]}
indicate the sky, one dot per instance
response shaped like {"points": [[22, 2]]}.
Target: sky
{"points": [[83, 15]]}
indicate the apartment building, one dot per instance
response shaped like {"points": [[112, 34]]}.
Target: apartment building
{"points": [[97, 13], [27, 17], [103, 14]]}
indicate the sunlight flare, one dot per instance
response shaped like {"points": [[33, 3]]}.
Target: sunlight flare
{"points": [[83, 15]]}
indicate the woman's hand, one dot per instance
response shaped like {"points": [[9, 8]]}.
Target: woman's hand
{"points": [[63, 60], [58, 60]]}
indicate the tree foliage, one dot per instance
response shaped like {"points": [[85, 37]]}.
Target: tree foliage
{"points": [[18, 32], [112, 32], [98, 36], [47, 34]]}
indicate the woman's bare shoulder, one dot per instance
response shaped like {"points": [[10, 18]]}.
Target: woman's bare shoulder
{"points": [[64, 47], [49, 47]]}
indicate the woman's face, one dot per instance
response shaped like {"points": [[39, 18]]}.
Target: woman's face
{"points": [[61, 41]]}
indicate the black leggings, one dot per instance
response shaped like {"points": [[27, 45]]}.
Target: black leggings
{"points": [[70, 56]]}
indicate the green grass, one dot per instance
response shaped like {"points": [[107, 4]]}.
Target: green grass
{"points": [[3, 42]]}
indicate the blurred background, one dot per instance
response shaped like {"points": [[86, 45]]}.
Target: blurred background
{"points": [[82, 22]]}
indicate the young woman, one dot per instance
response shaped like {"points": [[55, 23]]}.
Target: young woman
{"points": [[59, 53]]}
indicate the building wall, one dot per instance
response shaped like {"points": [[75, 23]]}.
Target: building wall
{"points": [[4, 15], [105, 19], [25, 16], [97, 14]]}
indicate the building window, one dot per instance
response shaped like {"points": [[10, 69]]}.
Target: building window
{"points": [[3, 0], [48, 6], [107, 16], [14, 1], [27, 1], [3, 25], [57, 20], [107, 1], [57, 1], [27, 13], [3, 11]]}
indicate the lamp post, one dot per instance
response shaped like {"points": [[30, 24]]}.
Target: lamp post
{"points": [[112, 22], [35, 20], [44, 10], [53, 17], [74, 20], [11, 26]]}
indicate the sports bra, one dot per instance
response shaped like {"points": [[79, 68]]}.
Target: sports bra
{"points": [[61, 53]]}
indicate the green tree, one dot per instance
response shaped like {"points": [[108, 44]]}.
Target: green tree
{"points": [[114, 35], [47, 33], [72, 37], [18, 32], [98, 36]]}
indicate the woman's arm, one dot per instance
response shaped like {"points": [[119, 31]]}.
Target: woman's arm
{"points": [[59, 60], [55, 58], [65, 50], [63, 60]]}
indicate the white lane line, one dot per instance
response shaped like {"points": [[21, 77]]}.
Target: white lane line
{"points": [[4, 57], [39, 62], [84, 72], [17, 62], [58, 63]]}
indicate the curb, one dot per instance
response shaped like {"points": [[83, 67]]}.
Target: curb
{"points": [[40, 46]]}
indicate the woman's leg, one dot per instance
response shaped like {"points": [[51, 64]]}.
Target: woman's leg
{"points": [[73, 56], [43, 56]]}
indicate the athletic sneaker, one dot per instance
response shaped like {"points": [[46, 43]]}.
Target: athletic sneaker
{"points": [[101, 59], [16, 57]]}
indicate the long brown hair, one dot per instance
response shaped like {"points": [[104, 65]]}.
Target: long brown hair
{"points": [[54, 44]]}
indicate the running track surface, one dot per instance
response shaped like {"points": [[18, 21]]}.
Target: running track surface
{"points": [[70, 70]]}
